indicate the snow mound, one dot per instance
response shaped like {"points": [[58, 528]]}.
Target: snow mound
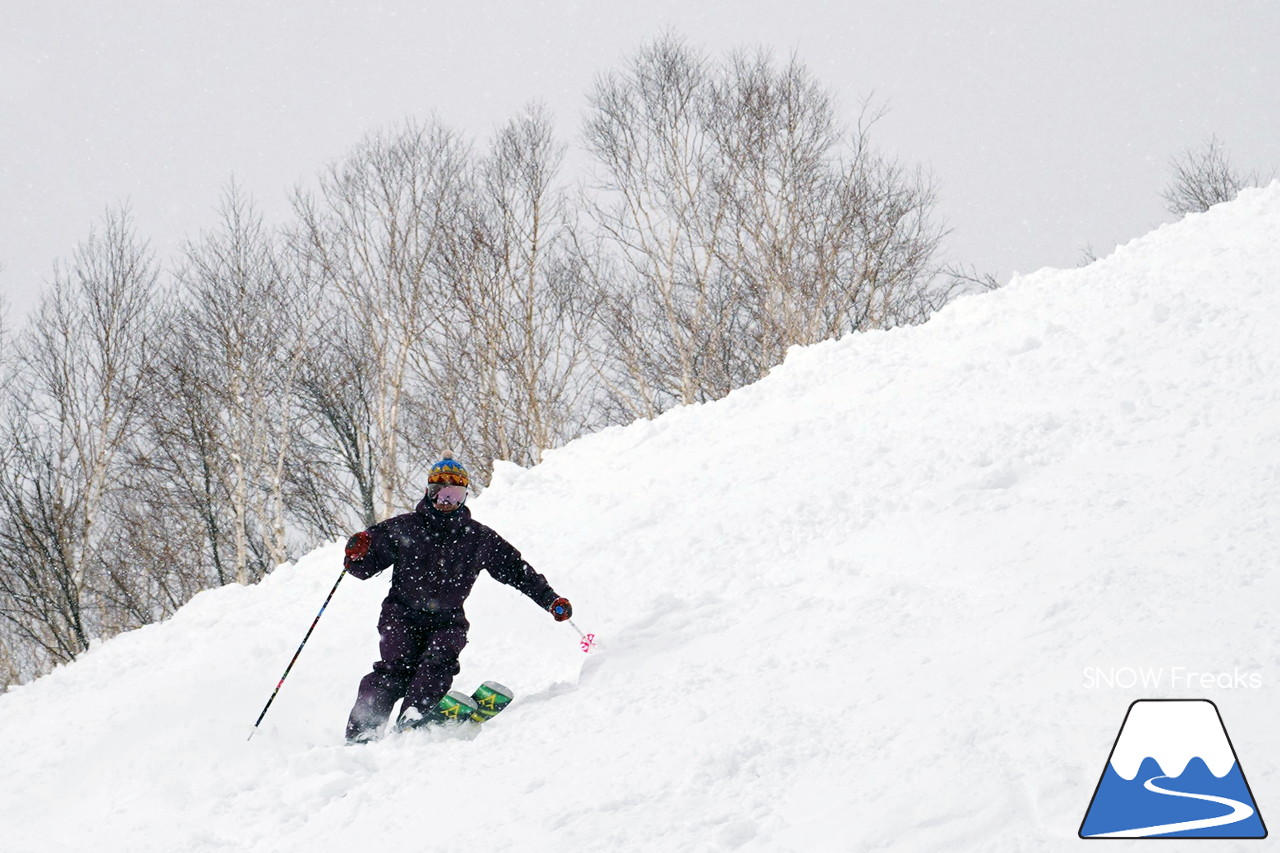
{"points": [[848, 607]]}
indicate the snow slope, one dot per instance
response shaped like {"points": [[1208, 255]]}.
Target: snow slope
{"points": [[850, 607]]}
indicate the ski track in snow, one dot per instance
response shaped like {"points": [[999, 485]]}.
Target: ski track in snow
{"points": [[862, 626]]}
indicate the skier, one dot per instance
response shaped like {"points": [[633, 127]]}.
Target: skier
{"points": [[438, 551]]}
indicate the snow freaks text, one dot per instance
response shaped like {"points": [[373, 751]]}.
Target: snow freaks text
{"points": [[1172, 677]]}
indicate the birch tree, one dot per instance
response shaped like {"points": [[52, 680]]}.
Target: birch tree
{"points": [[81, 366], [738, 217], [242, 333], [514, 363], [376, 229], [653, 201]]}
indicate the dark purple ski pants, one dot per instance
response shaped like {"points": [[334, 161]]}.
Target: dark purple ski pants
{"points": [[419, 660]]}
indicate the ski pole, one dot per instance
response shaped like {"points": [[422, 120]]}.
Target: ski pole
{"points": [[588, 640], [298, 652]]}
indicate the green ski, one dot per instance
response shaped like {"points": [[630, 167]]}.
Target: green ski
{"points": [[490, 698], [456, 708]]}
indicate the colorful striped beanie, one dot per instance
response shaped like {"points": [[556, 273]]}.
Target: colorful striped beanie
{"points": [[448, 472]]}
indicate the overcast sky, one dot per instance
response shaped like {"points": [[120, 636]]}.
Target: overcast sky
{"points": [[1047, 125]]}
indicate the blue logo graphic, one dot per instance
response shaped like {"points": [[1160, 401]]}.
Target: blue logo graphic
{"points": [[1173, 773]]}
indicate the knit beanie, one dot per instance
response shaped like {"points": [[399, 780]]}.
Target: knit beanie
{"points": [[448, 472]]}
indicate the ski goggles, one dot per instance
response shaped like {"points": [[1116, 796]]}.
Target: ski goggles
{"points": [[442, 495]]}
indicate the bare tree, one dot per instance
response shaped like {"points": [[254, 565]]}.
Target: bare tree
{"points": [[17, 662], [514, 365], [6, 347], [1203, 177], [826, 239], [736, 223], [157, 562], [376, 231], [82, 361], [654, 203], [337, 438], [180, 458], [242, 330]]}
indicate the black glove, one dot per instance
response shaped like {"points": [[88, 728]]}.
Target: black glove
{"points": [[561, 609]]}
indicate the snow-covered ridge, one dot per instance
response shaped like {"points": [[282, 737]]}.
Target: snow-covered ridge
{"points": [[862, 622]]}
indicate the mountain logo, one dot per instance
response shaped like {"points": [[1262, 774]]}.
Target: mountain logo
{"points": [[1172, 773]]}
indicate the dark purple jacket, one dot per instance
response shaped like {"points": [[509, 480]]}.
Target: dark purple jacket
{"points": [[437, 557]]}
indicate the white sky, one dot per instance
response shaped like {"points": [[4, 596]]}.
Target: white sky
{"points": [[1048, 125]]}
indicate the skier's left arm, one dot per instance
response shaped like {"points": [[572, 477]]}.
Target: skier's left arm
{"points": [[507, 566]]}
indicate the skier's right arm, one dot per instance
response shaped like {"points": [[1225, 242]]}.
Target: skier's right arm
{"points": [[369, 552]]}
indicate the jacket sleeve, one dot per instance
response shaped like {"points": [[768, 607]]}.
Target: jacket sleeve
{"points": [[370, 551], [507, 566]]}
